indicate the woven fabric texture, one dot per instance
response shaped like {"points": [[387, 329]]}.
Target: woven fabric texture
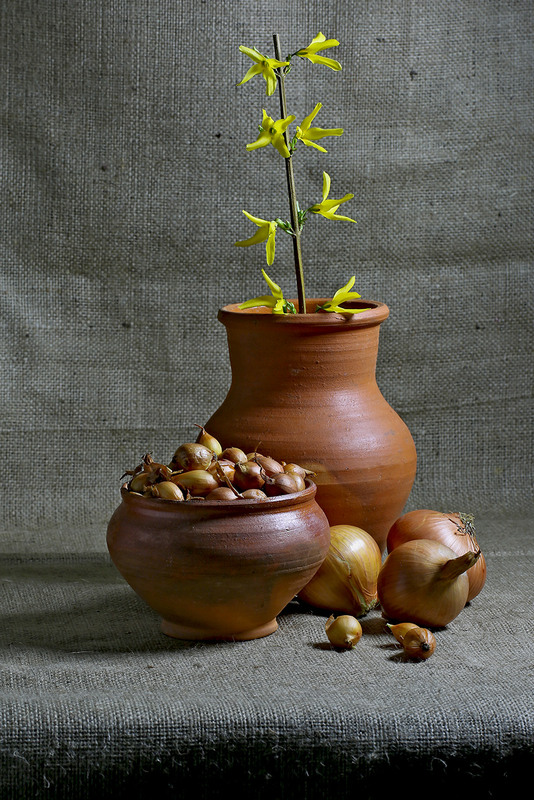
{"points": [[124, 177], [96, 702]]}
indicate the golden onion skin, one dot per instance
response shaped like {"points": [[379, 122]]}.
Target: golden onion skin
{"points": [[412, 583], [167, 490], [347, 580], [400, 630], [198, 482], [343, 632], [419, 643], [191, 456], [208, 441], [454, 530]]}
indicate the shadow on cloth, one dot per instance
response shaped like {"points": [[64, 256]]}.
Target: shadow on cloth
{"points": [[85, 606], [76, 607]]}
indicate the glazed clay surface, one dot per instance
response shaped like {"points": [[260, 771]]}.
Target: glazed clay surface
{"points": [[218, 569], [304, 389]]}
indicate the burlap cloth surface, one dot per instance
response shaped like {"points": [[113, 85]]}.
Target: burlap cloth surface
{"points": [[96, 699], [124, 175]]}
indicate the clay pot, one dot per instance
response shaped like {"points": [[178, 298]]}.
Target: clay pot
{"points": [[304, 389], [218, 569]]}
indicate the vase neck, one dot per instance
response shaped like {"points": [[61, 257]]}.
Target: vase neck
{"points": [[289, 355]]}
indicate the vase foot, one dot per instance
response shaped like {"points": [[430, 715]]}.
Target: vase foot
{"points": [[177, 631]]}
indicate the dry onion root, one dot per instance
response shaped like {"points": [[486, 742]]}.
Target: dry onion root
{"points": [[203, 470], [147, 473]]}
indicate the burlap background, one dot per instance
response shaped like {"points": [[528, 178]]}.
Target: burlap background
{"points": [[124, 175]]}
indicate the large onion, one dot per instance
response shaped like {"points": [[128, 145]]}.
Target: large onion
{"points": [[346, 580], [455, 530], [425, 582]]}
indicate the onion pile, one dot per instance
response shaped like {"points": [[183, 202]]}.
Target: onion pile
{"points": [[203, 470], [434, 567]]}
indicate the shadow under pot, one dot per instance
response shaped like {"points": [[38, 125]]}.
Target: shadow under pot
{"points": [[218, 570]]}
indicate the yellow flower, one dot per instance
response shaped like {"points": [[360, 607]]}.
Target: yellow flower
{"points": [[275, 300], [320, 43], [263, 66], [272, 132], [307, 135], [341, 296], [328, 208], [266, 232]]}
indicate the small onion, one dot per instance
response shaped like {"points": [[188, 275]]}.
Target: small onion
{"points": [[167, 490], [296, 469], [139, 482], [248, 475], [424, 581], [346, 580], [222, 467], [282, 483], [300, 482], [419, 643], [455, 530], [197, 482], [254, 494], [343, 632], [234, 454], [209, 441], [192, 456], [221, 493], [268, 464], [400, 630]]}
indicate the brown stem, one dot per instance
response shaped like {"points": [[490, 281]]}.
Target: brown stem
{"points": [[456, 566], [293, 206], [223, 476]]}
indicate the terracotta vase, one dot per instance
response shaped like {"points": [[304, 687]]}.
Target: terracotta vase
{"points": [[219, 570], [304, 389]]}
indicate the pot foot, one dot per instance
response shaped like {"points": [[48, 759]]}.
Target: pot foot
{"points": [[177, 631]]}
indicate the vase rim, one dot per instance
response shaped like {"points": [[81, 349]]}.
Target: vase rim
{"points": [[239, 505], [374, 313]]}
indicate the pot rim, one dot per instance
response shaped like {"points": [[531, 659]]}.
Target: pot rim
{"points": [[375, 313], [239, 505]]}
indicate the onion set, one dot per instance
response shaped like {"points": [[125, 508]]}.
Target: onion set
{"points": [[343, 632], [400, 630], [347, 579], [419, 643], [203, 470], [424, 581]]}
